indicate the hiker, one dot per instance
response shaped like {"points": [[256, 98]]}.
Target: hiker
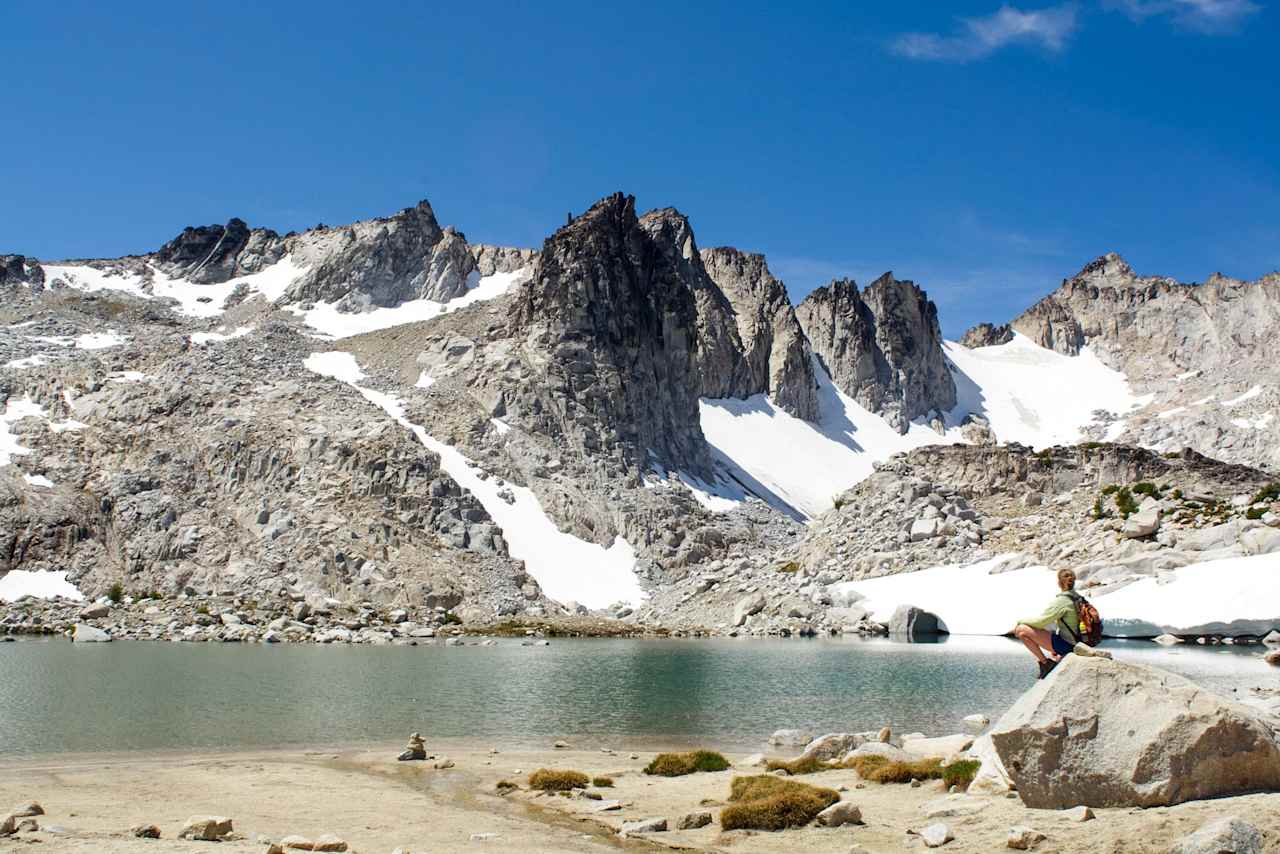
{"points": [[1061, 616]]}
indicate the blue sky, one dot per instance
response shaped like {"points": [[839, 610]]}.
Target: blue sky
{"points": [[985, 151]]}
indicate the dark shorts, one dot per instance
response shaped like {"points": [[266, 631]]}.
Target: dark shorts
{"points": [[1060, 645]]}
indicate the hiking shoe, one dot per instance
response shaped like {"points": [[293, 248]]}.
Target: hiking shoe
{"points": [[1046, 667], [1087, 651]]}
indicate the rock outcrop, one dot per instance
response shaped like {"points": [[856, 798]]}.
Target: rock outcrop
{"points": [[775, 348], [217, 253], [20, 270], [986, 335], [1104, 733], [881, 346]]}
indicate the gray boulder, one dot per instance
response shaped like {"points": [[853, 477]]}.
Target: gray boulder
{"points": [[85, 633], [832, 745], [1229, 835], [911, 622], [205, 828], [1144, 523], [747, 606], [1107, 734], [839, 814]]}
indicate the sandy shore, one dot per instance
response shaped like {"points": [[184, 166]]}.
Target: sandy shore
{"points": [[378, 804]]}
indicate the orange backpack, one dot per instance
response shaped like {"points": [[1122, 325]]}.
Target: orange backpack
{"points": [[1090, 629]]}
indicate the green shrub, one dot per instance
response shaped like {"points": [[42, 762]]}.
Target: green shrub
{"points": [[1255, 513], [1146, 487], [1109, 489], [451, 618], [773, 803], [789, 566], [960, 773], [556, 780], [1098, 510], [116, 592], [680, 764], [1268, 494], [898, 771], [602, 782], [864, 765], [1125, 503]]}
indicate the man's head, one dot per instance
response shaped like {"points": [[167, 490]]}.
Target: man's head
{"points": [[1066, 579]]}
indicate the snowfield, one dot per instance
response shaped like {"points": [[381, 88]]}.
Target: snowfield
{"points": [[42, 585], [971, 600], [1027, 393], [568, 569]]}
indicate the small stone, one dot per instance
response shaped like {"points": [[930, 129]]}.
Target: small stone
{"points": [[839, 814], [24, 810], [85, 633], [1168, 640], [443, 762], [644, 825], [1228, 835], [145, 831], [483, 837], [936, 835], [1079, 814], [1272, 658], [694, 820], [205, 828], [293, 842], [329, 842], [885, 735], [561, 745], [1272, 638], [96, 611], [1024, 838], [28, 825], [977, 723]]}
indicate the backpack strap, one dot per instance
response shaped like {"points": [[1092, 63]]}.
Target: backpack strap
{"points": [[1078, 600]]}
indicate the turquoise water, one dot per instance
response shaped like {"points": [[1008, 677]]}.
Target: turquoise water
{"points": [[56, 696]]}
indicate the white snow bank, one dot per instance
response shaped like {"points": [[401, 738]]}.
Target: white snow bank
{"points": [[1248, 395], [127, 377], [28, 362], [194, 300], [795, 464], [202, 338], [1034, 395], [567, 568], [87, 341], [15, 410], [424, 381], [1169, 413], [42, 585], [327, 319], [1259, 423], [972, 601], [38, 480]]}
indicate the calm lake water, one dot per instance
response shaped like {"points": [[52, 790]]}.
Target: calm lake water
{"points": [[56, 696]]}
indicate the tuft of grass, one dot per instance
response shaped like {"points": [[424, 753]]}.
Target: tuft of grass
{"points": [[773, 803], [557, 780], [452, 619], [802, 765], [504, 786], [115, 592], [1268, 494], [1146, 487], [789, 566], [878, 769], [1255, 513], [602, 782], [1109, 489], [960, 773], [680, 764]]}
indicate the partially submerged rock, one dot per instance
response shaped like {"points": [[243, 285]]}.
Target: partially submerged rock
{"points": [[85, 633], [909, 623]]}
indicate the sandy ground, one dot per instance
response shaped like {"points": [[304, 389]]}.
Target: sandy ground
{"points": [[377, 804]]}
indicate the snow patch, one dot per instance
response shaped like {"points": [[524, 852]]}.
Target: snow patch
{"points": [[127, 377], [42, 585], [1169, 413], [38, 480], [795, 465], [424, 381], [202, 338], [502, 427], [1186, 375], [29, 362], [1034, 395], [1248, 395], [973, 601], [567, 568], [328, 320], [15, 410]]}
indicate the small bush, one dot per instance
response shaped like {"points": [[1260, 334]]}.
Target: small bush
{"points": [[1098, 510], [1090, 446], [864, 765], [504, 786], [960, 773], [1146, 487], [1268, 493], [1176, 495], [789, 566], [602, 782], [803, 765], [555, 780], [680, 764], [116, 592], [1255, 513], [451, 618], [1125, 503], [1109, 489], [773, 803]]}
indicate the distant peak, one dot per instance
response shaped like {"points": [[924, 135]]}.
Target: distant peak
{"points": [[1108, 265]]}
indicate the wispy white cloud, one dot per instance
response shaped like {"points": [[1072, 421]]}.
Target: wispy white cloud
{"points": [[1207, 16], [976, 38]]}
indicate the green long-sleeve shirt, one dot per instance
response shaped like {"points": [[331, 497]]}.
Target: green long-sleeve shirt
{"points": [[1061, 616]]}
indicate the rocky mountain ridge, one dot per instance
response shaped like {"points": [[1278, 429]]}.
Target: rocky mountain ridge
{"points": [[187, 447]]}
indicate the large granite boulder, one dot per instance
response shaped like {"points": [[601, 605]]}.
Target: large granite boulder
{"points": [[911, 623], [1109, 734]]}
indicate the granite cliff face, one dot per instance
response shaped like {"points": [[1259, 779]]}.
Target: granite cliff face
{"points": [[881, 346], [218, 253], [19, 270], [776, 350]]}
